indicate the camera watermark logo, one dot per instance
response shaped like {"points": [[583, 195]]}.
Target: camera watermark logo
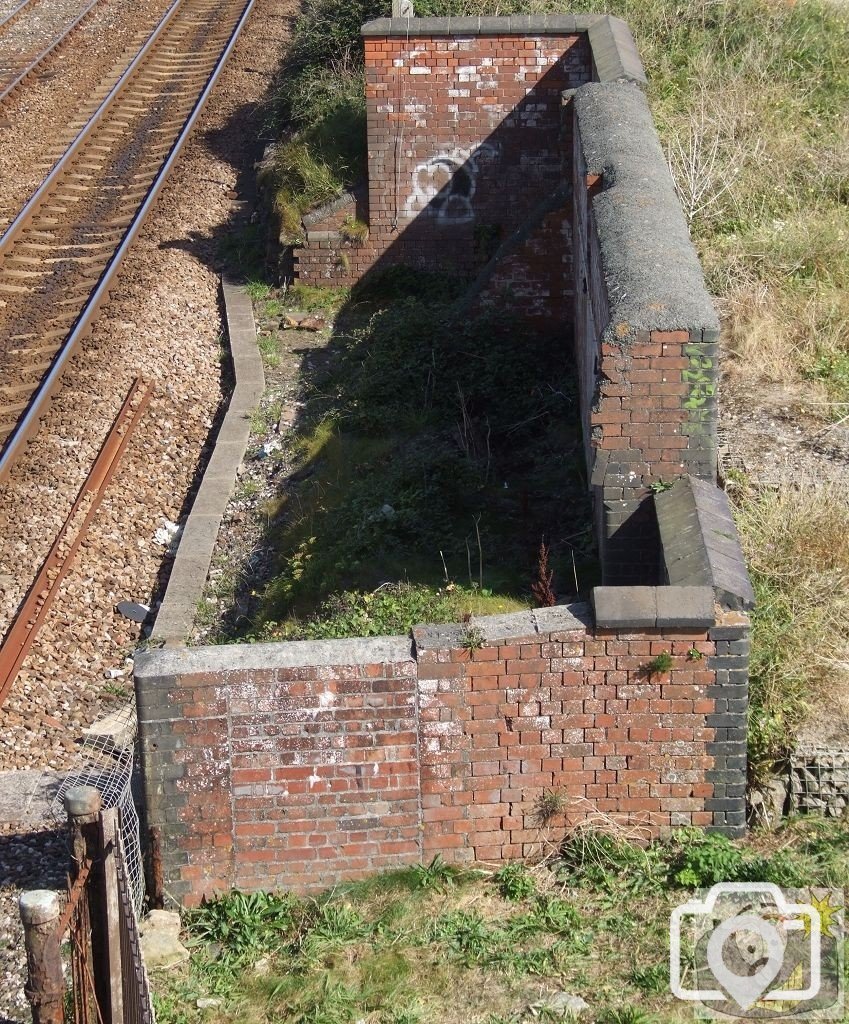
{"points": [[753, 950]]}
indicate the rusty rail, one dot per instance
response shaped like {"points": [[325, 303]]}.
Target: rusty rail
{"points": [[33, 611], [46, 53]]}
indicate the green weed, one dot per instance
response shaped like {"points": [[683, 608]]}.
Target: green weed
{"points": [[515, 882], [269, 350]]}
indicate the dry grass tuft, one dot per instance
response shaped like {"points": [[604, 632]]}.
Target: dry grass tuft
{"points": [[796, 540]]}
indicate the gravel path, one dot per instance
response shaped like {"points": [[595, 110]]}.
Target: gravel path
{"points": [[164, 324]]}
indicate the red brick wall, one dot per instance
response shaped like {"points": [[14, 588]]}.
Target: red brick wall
{"points": [[465, 136], [567, 711], [298, 766], [647, 395]]}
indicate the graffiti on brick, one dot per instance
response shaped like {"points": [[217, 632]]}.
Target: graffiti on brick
{"points": [[699, 376], [444, 186]]}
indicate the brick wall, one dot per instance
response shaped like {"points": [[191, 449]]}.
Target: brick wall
{"points": [[300, 765], [646, 333], [466, 134]]}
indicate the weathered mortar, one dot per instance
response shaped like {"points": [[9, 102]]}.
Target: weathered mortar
{"points": [[304, 764]]}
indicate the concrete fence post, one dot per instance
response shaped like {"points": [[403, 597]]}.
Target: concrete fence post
{"points": [[83, 805], [402, 9], [45, 987]]}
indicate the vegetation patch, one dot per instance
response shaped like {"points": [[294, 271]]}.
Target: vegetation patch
{"points": [[430, 459], [796, 542], [436, 943]]}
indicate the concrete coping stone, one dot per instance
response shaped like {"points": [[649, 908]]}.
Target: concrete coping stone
{"points": [[517, 24], [320, 212], [653, 278], [654, 607], [492, 629], [700, 542], [175, 617], [170, 662]]}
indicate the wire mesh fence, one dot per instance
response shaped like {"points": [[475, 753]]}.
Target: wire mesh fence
{"points": [[106, 761]]}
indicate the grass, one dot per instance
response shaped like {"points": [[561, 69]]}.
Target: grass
{"points": [[424, 478], [437, 943], [749, 98], [796, 543], [319, 108]]}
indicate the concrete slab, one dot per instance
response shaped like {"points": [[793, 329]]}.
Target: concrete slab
{"points": [[26, 795]]}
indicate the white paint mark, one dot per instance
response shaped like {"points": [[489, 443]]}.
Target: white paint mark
{"points": [[420, 71], [445, 185]]}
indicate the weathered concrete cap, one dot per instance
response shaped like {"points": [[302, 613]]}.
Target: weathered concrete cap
{"points": [[506, 25], [651, 271], [701, 546], [162, 664], [627, 607], [319, 213], [491, 629], [83, 800], [615, 52], [38, 906], [685, 606], [654, 607]]}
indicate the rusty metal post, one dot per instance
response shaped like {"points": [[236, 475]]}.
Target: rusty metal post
{"points": [[83, 805], [45, 987]]}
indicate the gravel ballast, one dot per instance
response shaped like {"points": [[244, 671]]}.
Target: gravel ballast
{"points": [[163, 323]]}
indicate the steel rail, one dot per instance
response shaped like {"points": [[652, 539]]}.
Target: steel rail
{"points": [[25, 216], [28, 425], [15, 14], [46, 53], [32, 613]]}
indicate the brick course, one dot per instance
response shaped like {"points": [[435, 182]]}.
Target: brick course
{"points": [[465, 135]]}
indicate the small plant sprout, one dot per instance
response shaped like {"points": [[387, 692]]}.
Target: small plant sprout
{"points": [[354, 231], [472, 639], [515, 882], [662, 663], [659, 486], [549, 804], [694, 654]]}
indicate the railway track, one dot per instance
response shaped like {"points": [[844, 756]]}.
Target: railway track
{"points": [[60, 255], [32, 32]]}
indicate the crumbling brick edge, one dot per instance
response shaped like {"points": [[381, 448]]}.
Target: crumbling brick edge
{"points": [[176, 613]]}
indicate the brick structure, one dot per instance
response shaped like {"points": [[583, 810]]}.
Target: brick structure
{"points": [[303, 764], [520, 152], [466, 134], [646, 333]]}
